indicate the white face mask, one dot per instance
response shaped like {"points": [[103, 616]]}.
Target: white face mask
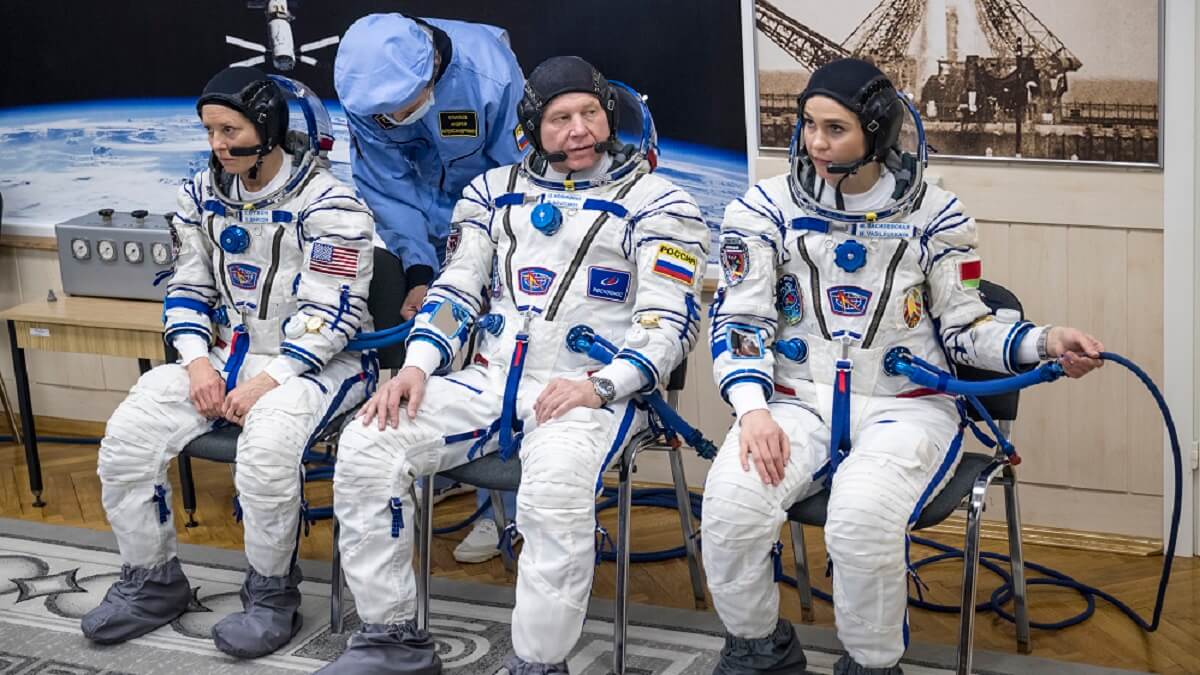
{"points": [[416, 115]]}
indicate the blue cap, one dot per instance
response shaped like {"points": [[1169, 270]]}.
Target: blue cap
{"points": [[383, 62]]}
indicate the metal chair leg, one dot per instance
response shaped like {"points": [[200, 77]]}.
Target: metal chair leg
{"points": [[500, 516], [686, 527], [424, 546], [803, 583], [1012, 514], [620, 618], [337, 583], [187, 486], [966, 634]]}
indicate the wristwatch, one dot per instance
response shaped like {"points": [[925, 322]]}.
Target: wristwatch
{"points": [[604, 389], [1041, 344]]}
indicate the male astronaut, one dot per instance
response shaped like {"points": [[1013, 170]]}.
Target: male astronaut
{"points": [[827, 269], [273, 263], [431, 104], [580, 234]]}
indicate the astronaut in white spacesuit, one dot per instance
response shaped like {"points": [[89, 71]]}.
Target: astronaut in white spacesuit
{"points": [[579, 234], [826, 269], [274, 258]]}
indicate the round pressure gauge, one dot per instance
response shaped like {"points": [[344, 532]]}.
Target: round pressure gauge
{"points": [[107, 250], [133, 251], [81, 249], [160, 253]]}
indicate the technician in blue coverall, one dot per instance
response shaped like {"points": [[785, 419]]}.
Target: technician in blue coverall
{"points": [[430, 103]]}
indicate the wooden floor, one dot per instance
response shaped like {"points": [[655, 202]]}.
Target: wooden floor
{"points": [[72, 493]]}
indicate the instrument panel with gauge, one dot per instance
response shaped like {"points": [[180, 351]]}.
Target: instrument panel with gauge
{"points": [[115, 254]]}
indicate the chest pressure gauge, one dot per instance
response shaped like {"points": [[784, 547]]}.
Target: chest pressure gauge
{"points": [[81, 249], [107, 250], [133, 251]]}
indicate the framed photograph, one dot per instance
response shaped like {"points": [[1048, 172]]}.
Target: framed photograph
{"points": [[1070, 81]]}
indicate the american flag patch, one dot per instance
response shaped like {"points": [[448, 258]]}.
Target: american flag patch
{"points": [[339, 261]]}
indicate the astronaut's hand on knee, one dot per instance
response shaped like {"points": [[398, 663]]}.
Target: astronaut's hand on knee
{"points": [[206, 389], [1078, 352], [562, 395], [243, 397], [408, 385], [762, 441]]}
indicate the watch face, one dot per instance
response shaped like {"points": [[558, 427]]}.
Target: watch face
{"points": [[81, 249], [133, 251], [107, 250], [604, 389]]}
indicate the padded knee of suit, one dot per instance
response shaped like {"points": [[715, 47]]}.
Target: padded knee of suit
{"points": [[270, 616], [848, 666], [516, 665], [269, 447], [387, 649], [369, 457], [865, 529], [140, 427], [780, 652], [143, 599]]}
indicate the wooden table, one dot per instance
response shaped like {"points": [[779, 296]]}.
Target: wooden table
{"points": [[101, 326]]}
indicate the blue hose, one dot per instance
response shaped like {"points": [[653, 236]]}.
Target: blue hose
{"points": [[929, 376]]}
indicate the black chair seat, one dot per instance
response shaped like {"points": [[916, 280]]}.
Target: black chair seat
{"points": [[812, 511], [219, 445], [488, 472]]}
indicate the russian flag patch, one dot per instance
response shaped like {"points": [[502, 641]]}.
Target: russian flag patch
{"points": [[675, 263], [520, 138]]}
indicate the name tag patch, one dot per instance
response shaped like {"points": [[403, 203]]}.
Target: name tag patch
{"points": [[458, 123], [675, 263], [258, 217], [608, 284], [884, 230], [535, 280], [566, 201], [243, 276], [849, 300]]}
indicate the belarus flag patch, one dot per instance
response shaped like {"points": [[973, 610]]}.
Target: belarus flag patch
{"points": [[969, 273]]}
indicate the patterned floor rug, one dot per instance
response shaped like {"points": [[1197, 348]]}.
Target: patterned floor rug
{"points": [[50, 576]]}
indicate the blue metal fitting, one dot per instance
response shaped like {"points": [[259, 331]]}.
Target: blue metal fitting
{"points": [[850, 255], [794, 349], [492, 323], [894, 357], [580, 339], [546, 218], [235, 239]]}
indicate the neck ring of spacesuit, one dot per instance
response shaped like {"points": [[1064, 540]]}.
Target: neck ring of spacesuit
{"points": [[309, 147], [883, 146], [632, 144]]}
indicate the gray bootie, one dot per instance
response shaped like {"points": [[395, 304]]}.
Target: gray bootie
{"points": [[778, 653], [143, 599], [848, 666], [387, 649], [270, 616], [516, 665]]}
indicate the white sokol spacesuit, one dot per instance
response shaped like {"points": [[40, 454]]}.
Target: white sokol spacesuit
{"points": [[811, 298], [617, 249], [273, 281]]}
